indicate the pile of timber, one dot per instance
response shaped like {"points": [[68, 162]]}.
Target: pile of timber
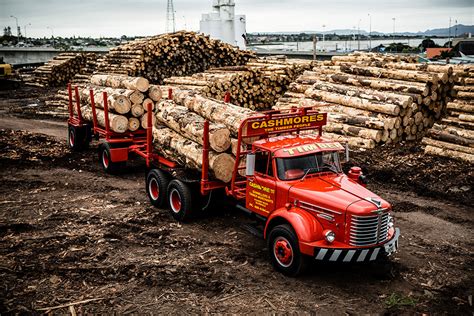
{"points": [[256, 85], [374, 100], [59, 70], [174, 54], [127, 100], [453, 136], [178, 132], [82, 78]]}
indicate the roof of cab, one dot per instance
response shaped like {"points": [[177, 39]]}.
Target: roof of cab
{"points": [[296, 145]]}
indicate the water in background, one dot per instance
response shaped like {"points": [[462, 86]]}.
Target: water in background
{"points": [[343, 46]]}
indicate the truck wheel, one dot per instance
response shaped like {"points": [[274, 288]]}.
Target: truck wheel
{"points": [[156, 187], [180, 200], [284, 251], [106, 161], [76, 138]]}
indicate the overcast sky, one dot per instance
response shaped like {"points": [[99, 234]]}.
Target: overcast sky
{"points": [[147, 17]]}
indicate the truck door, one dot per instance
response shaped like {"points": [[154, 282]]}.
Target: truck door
{"points": [[261, 188]]}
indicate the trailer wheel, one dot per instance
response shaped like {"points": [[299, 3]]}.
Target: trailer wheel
{"points": [[180, 200], [284, 251], [77, 138], [106, 161], [156, 187]]}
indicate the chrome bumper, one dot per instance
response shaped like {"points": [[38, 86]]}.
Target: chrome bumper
{"points": [[358, 255]]}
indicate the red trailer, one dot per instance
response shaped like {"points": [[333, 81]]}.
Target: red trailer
{"points": [[115, 148]]}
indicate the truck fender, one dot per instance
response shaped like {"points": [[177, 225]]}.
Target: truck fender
{"points": [[306, 226]]}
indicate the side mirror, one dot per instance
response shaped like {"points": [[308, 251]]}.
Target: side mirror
{"points": [[250, 165], [347, 152]]}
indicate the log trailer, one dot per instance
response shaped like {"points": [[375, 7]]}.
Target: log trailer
{"points": [[287, 175]]}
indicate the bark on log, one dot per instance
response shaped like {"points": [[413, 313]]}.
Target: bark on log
{"points": [[352, 141], [449, 153], [215, 111], [446, 145], [118, 123], [189, 154], [191, 125], [369, 94], [154, 93], [350, 130], [359, 103], [118, 81]]}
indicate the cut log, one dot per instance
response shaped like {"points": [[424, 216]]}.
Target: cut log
{"points": [[118, 81], [191, 125], [154, 93], [189, 154], [118, 123], [450, 138], [215, 111], [359, 103], [369, 94], [431, 150], [350, 130], [446, 145], [133, 124], [352, 141]]}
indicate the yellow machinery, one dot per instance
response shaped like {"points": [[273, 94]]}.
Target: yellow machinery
{"points": [[8, 78]]}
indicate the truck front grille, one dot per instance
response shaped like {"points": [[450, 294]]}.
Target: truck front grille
{"points": [[368, 230]]}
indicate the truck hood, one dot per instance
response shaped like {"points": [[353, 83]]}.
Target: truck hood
{"points": [[336, 192]]}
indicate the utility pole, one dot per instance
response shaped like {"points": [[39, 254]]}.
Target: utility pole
{"points": [[455, 28], [52, 33], [393, 35], [24, 27], [358, 35], [449, 30], [370, 32], [170, 18], [324, 38], [315, 40], [17, 29]]}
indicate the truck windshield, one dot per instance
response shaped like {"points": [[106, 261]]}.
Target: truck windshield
{"points": [[294, 168]]}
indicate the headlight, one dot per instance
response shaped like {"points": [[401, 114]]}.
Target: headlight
{"points": [[330, 236], [390, 221]]}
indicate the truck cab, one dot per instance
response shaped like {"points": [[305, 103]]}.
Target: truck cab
{"points": [[311, 209]]}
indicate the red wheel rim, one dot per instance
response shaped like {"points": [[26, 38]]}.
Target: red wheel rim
{"points": [[175, 201], [283, 251], [71, 138], [105, 159], [154, 189]]}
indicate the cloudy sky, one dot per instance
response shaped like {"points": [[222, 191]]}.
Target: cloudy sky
{"points": [[148, 17]]}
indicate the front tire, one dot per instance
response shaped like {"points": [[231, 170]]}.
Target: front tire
{"points": [[180, 200], [284, 251], [156, 187]]}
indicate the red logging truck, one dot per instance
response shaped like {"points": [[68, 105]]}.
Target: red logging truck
{"points": [[289, 176]]}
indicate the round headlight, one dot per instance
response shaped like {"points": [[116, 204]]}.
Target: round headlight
{"points": [[330, 236], [390, 221]]}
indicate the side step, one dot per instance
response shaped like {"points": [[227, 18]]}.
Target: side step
{"points": [[252, 229]]}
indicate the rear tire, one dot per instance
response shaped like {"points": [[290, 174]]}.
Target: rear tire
{"points": [[77, 139], [180, 200], [106, 161], [284, 251], [157, 187]]}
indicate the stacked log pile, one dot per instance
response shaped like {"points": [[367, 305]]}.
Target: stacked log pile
{"points": [[127, 101], [59, 70], [256, 86], [453, 136], [178, 132], [176, 54], [374, 99], [82, 78]]}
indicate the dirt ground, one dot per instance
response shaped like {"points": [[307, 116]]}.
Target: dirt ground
{"points": [[71, 234]]}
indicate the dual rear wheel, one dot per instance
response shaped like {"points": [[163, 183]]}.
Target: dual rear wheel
{"points": [[164, 191]]}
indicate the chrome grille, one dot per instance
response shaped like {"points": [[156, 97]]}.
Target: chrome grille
{"points": [[368, 230]]}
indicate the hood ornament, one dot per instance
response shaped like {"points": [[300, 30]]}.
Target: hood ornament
{"points": [[375, 201]]}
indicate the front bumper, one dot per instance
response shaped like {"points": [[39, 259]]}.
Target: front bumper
{"points": [[359, 254]]}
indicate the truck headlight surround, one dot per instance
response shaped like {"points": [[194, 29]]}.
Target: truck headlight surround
{"points": [[329, 235], [390, 221]]}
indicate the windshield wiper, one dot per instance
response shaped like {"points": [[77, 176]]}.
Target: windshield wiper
{"points": [[307, 171]]}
